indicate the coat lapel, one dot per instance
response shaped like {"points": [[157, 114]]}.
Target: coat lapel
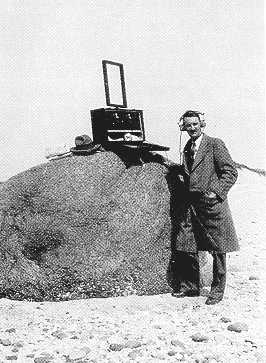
{"points": [[201, 152]]}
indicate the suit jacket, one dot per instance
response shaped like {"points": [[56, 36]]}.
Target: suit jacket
{"points": [[204, 224]]}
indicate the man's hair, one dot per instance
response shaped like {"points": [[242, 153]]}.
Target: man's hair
{"points": [[191, 114]]}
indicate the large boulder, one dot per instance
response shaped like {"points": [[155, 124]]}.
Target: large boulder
{"points": [[85, 226]]}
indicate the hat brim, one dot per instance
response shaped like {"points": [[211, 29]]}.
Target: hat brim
{"points": [[88, 151]]}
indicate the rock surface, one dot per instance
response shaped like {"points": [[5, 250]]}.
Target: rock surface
{"points": [[85, 226]]}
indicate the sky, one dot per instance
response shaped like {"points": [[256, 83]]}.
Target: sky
{"points": [[205, 55]]}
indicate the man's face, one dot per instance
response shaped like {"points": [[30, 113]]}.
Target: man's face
{"points": [[192, 126]]}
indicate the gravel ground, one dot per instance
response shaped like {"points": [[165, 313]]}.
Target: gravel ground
{"points": [[156, 328]]}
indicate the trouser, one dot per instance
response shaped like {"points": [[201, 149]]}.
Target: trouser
{"points": [[187, 272]]}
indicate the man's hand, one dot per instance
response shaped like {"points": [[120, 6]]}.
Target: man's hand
{"points": [[211, 195], [212, 198]]}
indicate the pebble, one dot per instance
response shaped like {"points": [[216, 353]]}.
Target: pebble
{"points": [[5, 342], [44, 358], [237, 327], [179, 356], [11, 357], [78, 354], [253, 278], [59, 334], [158, 356], [250, 341], [177, 343], [198, 337], [116, 347], [134, 354], [132, 344], [11, 330], [18, 344]]}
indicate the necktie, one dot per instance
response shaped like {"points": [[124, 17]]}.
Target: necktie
{"points": [[193, 150], [191, 155]]}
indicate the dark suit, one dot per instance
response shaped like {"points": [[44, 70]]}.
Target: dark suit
{"points": [[204, 223]]}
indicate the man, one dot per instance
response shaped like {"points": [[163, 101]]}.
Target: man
{"points": [[206, 222]]}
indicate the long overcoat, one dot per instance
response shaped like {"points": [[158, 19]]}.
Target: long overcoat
{"points": [[201, 223]]}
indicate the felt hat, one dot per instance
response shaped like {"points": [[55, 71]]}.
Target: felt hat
{"points": [[84, 145]]}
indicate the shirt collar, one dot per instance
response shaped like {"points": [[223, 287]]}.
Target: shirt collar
{"points": [[198, 141]]}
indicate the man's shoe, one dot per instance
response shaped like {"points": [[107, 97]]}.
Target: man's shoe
{"points": [[212, 300], [185, 293]]}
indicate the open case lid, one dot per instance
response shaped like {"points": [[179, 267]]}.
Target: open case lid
{"points": [[115, 94], [114, 84]]}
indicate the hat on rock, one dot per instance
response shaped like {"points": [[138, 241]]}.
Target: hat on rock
{"points": [[84, 145]]}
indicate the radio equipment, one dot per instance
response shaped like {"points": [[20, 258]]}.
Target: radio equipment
{"points": [[118, 125]]}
